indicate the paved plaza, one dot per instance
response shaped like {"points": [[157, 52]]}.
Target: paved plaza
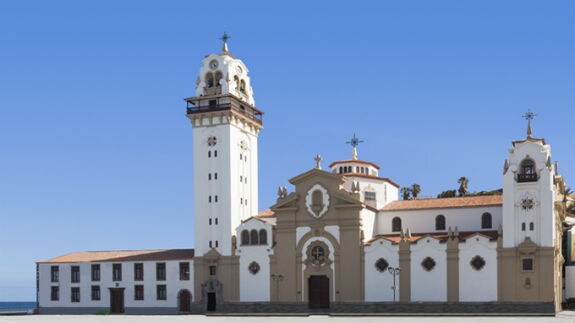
{"points": [[562, 317]]}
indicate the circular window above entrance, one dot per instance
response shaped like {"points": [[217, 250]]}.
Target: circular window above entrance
{"points": [[254, 268], [477, 263], [381, 265], [428, 264]]}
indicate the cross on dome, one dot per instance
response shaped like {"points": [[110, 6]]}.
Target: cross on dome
{"points": [[529, 116], [225, 38], [354, 142]]}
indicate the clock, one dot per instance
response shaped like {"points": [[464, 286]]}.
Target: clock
{"points": [[239, 70], [214, 64]]}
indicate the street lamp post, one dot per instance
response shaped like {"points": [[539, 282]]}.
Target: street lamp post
{"points": [[395, 272], [277, 279]]}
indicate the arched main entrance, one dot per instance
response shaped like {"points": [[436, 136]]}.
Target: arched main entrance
{"points": [[184, 301], [318, 291]]}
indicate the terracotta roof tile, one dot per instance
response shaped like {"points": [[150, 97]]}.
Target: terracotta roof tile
{"points": [[371, 176], [443, 203], [266, 213], [123, 255]]}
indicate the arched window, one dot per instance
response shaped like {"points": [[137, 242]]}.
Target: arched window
{"points": [[218, 78], [486, 221], [396, 224], [209, 79], [245, 238], [263, 237], [254, 237], [440, 222], [242, 86], [527, 171], [237, 80], [340, 169]]}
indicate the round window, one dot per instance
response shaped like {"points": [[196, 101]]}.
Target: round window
{"points": [[428, 264], [381, 265], [477, 263], [254, 268]]}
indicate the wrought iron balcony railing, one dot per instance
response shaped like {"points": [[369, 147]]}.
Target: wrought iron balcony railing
{"points": [[523, 178]]}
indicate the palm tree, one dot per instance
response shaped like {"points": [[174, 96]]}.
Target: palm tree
{"points": [[415, 189], [406, 193], [463, 181]]}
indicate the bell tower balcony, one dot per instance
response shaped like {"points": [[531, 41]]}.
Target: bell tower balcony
{"points": [[197, 106]]}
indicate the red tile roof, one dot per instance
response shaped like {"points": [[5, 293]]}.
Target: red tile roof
{"points": [[444, 203], [266, 213], [371, 176], [124, 255]]}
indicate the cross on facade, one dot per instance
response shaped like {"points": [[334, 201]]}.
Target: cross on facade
{"points": [[317, 161], [529, 116]]}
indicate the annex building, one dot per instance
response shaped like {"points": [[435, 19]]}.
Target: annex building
{"points": [[339, 240]]}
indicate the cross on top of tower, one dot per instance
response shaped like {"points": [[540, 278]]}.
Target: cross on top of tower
{"points": [[225, 38], [529, 116], [354, 142]]}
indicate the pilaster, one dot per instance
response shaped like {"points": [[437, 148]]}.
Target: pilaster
{"points": [[453, 266], [405, 266]]}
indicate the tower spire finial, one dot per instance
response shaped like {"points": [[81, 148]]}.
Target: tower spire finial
{"points": [[354, 142], [529, 116], [225, 38]]}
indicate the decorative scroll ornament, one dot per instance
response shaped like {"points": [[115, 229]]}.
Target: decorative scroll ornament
{"points": [[527, 202]]}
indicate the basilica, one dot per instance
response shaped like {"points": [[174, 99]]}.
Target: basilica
{"points": [[339, 240]]}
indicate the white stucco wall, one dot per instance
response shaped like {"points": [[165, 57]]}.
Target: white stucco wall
{"points": [[172, 282], [423, 221], [542, 215], [378, 285], [231, 208], [478, 285], [428, 285], [255, 287]]}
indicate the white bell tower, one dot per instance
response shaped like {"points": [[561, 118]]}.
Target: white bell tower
{"points": [[528, 193], [225, 128]]}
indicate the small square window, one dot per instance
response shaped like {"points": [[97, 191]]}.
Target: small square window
{"points": [[527, 264], [212, 270]]}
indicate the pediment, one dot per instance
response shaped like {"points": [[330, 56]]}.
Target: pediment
{"points": [[527, 246], [289, 202], [213, 254], [319, 174]]}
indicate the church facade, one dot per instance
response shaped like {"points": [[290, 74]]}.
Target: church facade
{"points": [[340, 241]]}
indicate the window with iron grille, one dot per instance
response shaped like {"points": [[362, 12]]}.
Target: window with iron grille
{"points": [[161, 271], [161, 292]]}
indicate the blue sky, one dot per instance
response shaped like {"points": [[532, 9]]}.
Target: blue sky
{"points": [[97, 151]]}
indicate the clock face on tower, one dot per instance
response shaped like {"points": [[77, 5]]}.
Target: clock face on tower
{"points": [[214, 64]]}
